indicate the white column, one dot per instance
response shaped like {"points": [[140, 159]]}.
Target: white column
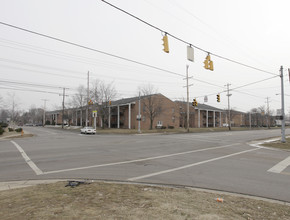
{"points": [[207, 118], [214, 119], [76, 117], [118, 122], [198, 118], [220, 119], [109, 120], [56, 119], [129, 119]]}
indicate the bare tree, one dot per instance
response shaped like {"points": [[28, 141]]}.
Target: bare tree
{"points": [[13, 108], [151, 102], [103, 93], [1, 103], [78, 100]]}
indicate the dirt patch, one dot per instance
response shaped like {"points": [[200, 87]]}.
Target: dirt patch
{"points": [[126, 201]]}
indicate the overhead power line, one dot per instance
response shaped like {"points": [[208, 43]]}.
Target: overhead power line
{"points": [[29, 84], [119, 57], [186, 42], [28, 90], [91, 49], [249, 84]]}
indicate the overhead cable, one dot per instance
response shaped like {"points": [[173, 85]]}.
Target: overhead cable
{"points": [[186, 42]]}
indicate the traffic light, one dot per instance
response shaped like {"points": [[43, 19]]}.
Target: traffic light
{"points": [[194, 103], [110, 102], [211, 65], [218, 98], [208, 64], [165, 43]]}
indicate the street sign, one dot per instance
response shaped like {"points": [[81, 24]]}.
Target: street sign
{"points": [[138, 117], [95, 114]]}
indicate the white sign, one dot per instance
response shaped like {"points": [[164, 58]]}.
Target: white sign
{"points": [[190, 54], [139, 117], [95, 114]]}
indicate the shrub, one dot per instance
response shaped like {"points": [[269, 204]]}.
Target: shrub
{"points": [[3, 124], [1, 130], [18, 129], [10, 129], [170, 127]]}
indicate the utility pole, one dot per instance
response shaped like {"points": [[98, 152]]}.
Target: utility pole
{"points": [[43, 123], [283, 140], [268, 125], [229, 110], [63, 95], [88, 99], [187, 98], [250, 120], [139, 114]]}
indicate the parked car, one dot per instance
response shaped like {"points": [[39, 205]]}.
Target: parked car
{"points": [[88, 130]]}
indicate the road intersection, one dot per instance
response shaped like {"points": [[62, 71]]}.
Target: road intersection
{"points": [[219, 160]]}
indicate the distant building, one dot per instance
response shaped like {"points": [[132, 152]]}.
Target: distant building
{"points": [[124, 113], [200, 116]]}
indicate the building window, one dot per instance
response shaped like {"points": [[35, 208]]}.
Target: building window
{"points": [[144, 118], [173, 110], [173, 119]]}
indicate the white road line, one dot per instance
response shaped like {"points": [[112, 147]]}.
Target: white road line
{"points": [[139, 160], [27, 159], [194, 139], [189, 165], [279, 167]]}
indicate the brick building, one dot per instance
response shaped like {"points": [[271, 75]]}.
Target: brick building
{"points": [[200, 116], [123, 113]]}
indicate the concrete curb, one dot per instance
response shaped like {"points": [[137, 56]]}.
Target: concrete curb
{"points": [[261, 142], [25, 183], [10, 136]]}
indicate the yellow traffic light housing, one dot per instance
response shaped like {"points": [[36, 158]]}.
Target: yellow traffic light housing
{"points": [[208, 64], [165, 43], [194, 103], [218, 98], [211, 65]]}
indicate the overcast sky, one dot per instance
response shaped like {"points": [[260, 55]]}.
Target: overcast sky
{"points": [[253, 32]]}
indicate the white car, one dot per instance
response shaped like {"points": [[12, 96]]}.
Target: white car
{"points": [[88, 130]]}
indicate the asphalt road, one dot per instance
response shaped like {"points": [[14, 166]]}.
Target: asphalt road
{"points": [[219, 160]]}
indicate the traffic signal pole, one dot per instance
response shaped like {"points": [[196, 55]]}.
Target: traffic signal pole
{"points": [[229, 110], [283, 140], [88, 98], [187, 96]]}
